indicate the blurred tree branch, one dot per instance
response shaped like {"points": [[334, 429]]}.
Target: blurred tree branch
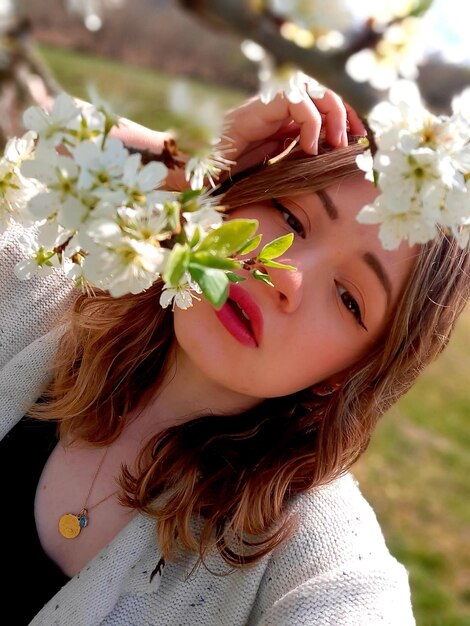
{"points": [[239, 17], [24, 79]]}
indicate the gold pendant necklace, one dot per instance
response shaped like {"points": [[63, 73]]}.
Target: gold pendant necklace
{"points": [[71, 524]]}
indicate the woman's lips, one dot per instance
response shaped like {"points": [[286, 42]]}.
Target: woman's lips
{"points": [[249, 333]]}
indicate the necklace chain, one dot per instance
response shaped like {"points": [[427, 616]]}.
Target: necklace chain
{"points": [[100, 465], [71, 524]]}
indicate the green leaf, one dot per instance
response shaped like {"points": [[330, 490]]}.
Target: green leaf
{"points": [[172, 210], [209, 260], [235, 278], [229, 237], [177, 264], [265, 278], [280, 266], [420, 10], [195, 238], [213, 283], [276, 247], [188, 197], [250, 245]]}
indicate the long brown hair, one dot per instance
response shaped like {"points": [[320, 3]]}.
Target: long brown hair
{"points": [[238, 473]]}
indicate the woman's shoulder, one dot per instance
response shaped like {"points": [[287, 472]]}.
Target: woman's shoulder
{"points": [[336, 567], [335, 523]]}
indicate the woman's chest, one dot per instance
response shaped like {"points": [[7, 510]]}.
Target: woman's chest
{"points": [[76, 508]]}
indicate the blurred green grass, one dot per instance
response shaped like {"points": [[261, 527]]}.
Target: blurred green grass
{"points": [[416, 475], [417, 468], [137, 93]]}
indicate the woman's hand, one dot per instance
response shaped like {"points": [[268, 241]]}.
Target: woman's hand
{"points": [[140, 137], [256, 131]]}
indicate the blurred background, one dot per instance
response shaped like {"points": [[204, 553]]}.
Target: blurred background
{"points": [[137, 55]]}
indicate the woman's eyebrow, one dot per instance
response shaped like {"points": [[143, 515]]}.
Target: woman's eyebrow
{"points": [[372, 261], [328, 204]]}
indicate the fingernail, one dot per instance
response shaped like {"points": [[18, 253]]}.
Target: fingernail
{"points": [[315, 147], [344, 138]]}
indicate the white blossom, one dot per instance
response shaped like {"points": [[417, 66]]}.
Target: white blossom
{"points": [[182, 295], [60, 195], [140, 181], [409, 222], [204, 219], [15, 189], [100, 168], [461, 232], [19, 149], [15, 194], [422, 166], [202, 115], [129, 266], [342, 17], [296, 85], [53, 127], [456, 208], [146, 223], [365, 162], [321, 17], [301, 85], [209, 166], [39, 261], [52, 235], [54, 170], [398, 53]]}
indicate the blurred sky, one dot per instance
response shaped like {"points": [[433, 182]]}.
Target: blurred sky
{"points": [[449, 23]]}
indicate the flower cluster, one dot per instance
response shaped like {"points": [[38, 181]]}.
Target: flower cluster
{"points": [[395, 29], [422, 167], [273, 78], [203, 123], [398, 52], [342, 16], [101, 215], [15, 189]]}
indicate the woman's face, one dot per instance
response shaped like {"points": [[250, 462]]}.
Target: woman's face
{"points": [[315, 322]]}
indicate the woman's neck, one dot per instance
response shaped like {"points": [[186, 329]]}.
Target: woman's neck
{"points": [[185, 393]]}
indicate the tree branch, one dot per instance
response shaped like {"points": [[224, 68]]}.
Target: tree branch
{"points": [[24, 80], [238, 17]]}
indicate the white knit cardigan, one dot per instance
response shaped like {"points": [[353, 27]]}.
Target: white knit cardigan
{"points": [[335, 571]]}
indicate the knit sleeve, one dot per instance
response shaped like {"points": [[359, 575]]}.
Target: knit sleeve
{"points": [[336, 569], [30, 308], [346, 597]]}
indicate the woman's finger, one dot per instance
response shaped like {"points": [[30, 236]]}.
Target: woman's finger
{"points": [[309, 119], [335, 112], [356, 126]]}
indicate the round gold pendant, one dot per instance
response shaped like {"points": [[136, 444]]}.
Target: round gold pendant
{"points": [[69, 526]]}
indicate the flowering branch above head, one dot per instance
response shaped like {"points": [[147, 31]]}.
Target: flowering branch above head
{"points": [[420, 162], [422, 167], [100, 214], [383, 40]]}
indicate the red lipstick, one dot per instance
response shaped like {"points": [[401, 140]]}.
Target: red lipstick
{"points": [[242, 317]]}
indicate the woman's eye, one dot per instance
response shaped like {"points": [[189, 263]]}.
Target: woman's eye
{"points": [[351, 304], [289, 218]]}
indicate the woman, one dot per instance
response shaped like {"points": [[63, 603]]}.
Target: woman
{"points": [[201, 475]]}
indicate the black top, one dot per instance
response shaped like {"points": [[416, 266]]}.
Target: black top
{"points": [[30, 578]]}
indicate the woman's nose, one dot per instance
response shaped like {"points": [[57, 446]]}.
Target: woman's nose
{"points": [[288, 285]]}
